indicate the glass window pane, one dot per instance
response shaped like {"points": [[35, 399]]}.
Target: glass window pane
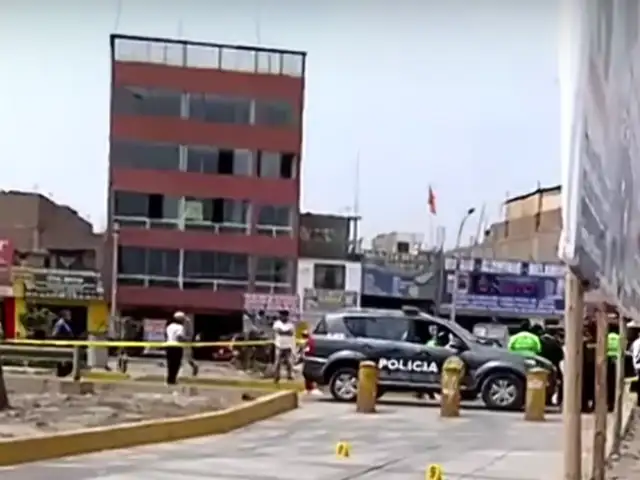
{"points": [[235, 211], [202, 160], [293, 64], [130, 204], [388, 328], [238, 60], [199, 264], [219, 109], [132, 260], [242, 162], [274, 215], [145, 101], [329, 276], [152, 156], [163, 262], [269, 165], [199, 56], [356, 326], [274, 113], [170, 207], [231, 266]]}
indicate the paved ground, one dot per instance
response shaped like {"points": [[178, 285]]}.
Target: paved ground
{"points": [[397, 443], [627, 464]]}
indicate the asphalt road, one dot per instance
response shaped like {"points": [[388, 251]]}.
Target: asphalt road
{"points": [[396, 443]]}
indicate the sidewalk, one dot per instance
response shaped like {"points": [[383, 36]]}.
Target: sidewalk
{"points": [[398, 442]]}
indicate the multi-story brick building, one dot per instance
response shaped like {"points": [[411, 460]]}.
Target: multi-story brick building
{"points": [[204, 172]]}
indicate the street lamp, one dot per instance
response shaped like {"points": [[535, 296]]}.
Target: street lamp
{"points": [[456, 271]]}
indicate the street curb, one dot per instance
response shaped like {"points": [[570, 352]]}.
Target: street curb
{"points": [[24, 450], [266, 384]]}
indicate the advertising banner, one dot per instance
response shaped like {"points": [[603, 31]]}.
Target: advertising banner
{"points": [[505, 288], [272, 303], [324, 236], [411, 277], [600, 149], [64, 286]]}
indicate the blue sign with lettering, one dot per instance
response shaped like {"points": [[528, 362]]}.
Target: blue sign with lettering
{"points": [[505, 288]]}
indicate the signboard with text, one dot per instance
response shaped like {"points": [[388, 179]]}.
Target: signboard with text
{"points": [[505, 288], [63, 286]]}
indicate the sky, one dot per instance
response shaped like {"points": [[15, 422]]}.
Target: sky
{"points": [[460, 95]]}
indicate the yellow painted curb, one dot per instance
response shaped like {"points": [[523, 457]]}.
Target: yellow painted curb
{"points": [[23, 450], [105, 375], [265, 384]]}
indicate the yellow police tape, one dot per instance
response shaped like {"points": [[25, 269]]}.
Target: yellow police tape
{"points": [[132, 344]]}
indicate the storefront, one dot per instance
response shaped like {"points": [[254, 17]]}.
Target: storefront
{"points": [[51, 291], [503, 291]]}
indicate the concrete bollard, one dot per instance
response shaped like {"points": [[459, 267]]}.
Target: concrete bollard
{"points": [[452, 375], [536, 400], [367, 387]]}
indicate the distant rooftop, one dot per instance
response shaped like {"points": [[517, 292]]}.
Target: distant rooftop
{"points": [[216, 56], [537, 191]]}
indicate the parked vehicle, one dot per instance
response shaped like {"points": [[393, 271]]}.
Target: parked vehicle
{"points": [[397, 341]]}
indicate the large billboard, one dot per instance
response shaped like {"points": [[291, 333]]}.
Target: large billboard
{"points": [[416, 277], [598, 63], [504, 288], [324, 236]]}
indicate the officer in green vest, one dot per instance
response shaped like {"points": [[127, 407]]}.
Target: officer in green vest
{"points": [[613, 352], [525, 342]]}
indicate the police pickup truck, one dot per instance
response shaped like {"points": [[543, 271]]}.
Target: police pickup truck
{"points": [[410, 348]]}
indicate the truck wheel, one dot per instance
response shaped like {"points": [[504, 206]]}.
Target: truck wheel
{"points": [[343, 384], [503, 391]]}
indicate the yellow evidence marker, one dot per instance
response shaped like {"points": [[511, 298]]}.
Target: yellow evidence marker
{"points": [[433, 472], [343, 450]]}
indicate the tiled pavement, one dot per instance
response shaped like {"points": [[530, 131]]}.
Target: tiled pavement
{"points": [[397, 443]]}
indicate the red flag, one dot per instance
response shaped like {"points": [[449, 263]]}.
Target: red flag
{"points": [[432, 201]]}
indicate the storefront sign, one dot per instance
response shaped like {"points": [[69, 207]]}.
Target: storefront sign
{"points": [[64, 286], [271, 303], [324, 300], [505, 288]]}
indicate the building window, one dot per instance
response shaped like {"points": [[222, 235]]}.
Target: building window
{"points": [[275, 113], [219, 109], [163, 262], [216, 213], [148, 210], [132, 261], [145, 101], [219, 161], [276, 165], [144, 155], [329, 276], [207, 265], [272, 270], [274, 220]]}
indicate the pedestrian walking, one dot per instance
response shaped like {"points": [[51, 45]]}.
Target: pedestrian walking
{"points": [[284, 342], [174, 334], [190, 336]]}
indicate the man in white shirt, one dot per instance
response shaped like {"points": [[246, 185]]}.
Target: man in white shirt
{"points": [[174, 334], [285, 343], [635, 354]]}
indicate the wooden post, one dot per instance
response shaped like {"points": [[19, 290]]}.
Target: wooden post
{"points": [[620, 386], [76, 370], [367, 387], [600, 424], [573, 322]]}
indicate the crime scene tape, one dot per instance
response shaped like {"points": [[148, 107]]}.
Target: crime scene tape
{"points": [[133, 344]]}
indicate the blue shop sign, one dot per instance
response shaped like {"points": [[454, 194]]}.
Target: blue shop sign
{"points": [[505, 288]]}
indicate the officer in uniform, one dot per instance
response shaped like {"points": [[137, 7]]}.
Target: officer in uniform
{"points": [[525, 342], [551, 350], [613, 353]]}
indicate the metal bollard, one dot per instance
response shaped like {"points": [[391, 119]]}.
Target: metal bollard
{"points": [[367, 387], [536, 395], [452, 374]]}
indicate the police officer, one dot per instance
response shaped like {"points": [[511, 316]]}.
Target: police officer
{"points": [[613, 352], [551, 350], [525, 342]]}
